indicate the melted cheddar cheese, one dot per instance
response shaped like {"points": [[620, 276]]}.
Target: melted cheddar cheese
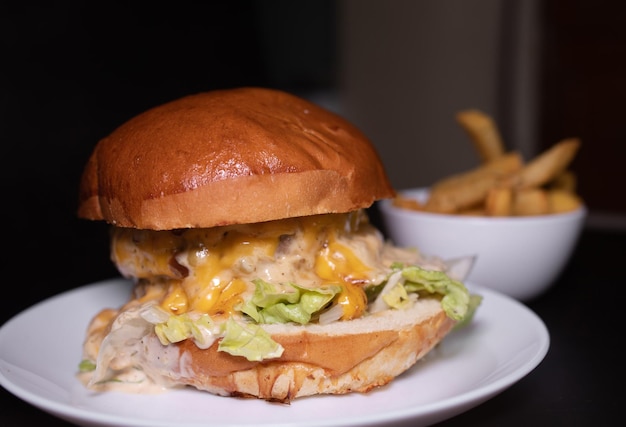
{"points": [[211, 270]]}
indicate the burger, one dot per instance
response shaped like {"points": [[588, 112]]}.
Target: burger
{"points": [[240, 218]]}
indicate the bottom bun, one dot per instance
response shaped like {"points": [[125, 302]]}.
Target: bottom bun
{"points": [[338, 358]]}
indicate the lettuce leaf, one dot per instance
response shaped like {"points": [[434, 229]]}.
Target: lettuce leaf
{"points": [[272, 303], [408, 283], [248, 340], [456, 297]]}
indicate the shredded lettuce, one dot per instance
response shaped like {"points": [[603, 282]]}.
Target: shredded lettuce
{"points": [[456, 297], [238, 338], [285, 303], [250, 341], [474, 302], [407, 283], [397, 296], [180, 327], [87, 365]]}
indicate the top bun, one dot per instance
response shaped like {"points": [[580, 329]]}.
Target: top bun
{"points": [[230, 157]]}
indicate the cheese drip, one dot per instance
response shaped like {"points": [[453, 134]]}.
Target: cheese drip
{"points": [[211, 270]]}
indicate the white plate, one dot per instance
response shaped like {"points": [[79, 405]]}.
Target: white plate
{"points": [[40, 349]]}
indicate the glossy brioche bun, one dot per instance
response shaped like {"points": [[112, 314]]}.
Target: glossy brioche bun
{"points": [[230, 157], [337, 358]]}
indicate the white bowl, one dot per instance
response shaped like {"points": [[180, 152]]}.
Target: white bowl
{"points": [[518, 256]]}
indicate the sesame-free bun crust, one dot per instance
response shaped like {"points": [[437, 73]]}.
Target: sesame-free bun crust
{"points": [[230, 157], [343, 357]]}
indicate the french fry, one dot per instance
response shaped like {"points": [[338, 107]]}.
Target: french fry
{"points": [[499, 201], [468, 189], [548, 165], [565, 181], [506, 164], [465, 193], [563, 201], [406, 203], [483, 132], [533, 201], [476, 211]]}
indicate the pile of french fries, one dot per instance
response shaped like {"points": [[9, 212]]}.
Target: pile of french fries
{"points": [[504, 184]]}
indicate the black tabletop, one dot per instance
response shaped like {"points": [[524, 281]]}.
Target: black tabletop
{"points": [[580, 381]]}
